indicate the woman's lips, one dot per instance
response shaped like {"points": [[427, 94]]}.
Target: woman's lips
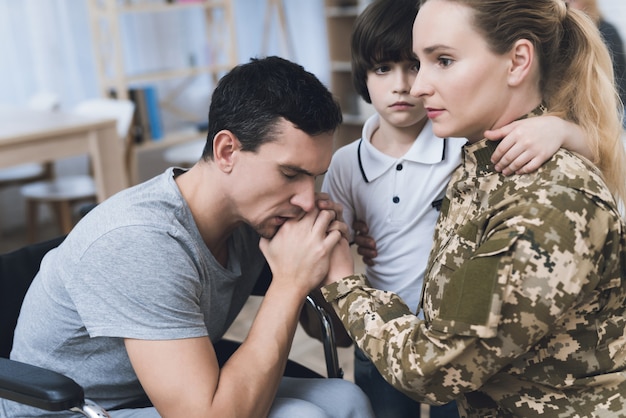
{"points": [[433, 113]]}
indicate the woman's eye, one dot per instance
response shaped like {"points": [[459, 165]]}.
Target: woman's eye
{"points": [[445, 62]]}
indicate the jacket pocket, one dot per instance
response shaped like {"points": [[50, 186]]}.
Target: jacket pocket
{"points": [[471, 300]]}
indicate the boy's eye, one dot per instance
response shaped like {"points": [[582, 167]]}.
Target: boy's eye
{"points": [[381, 69], [290, 176]]}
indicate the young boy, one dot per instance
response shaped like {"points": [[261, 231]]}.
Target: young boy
{"points": [[394, 177]]}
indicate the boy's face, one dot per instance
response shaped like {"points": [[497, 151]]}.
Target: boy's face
{"points": [[389, 85]]}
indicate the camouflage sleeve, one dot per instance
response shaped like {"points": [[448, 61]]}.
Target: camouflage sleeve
{"points": [[532, 269], [383, 326]]}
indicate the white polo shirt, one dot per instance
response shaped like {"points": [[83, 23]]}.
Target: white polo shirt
{"points": [[397, 198]]}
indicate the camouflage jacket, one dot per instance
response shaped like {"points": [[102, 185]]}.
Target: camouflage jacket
{"points": [[524, 298]]}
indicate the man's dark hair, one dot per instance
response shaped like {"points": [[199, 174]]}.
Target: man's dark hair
{"points": [[250, 100], [382, 33]]}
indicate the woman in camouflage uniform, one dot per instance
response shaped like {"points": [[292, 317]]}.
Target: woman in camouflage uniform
{"points": [[524, 297]]}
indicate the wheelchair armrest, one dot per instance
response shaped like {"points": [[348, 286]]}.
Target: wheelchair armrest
{"points": [[38, 387], [328, 339]]}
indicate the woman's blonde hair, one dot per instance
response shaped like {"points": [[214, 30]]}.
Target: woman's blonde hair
{"points": [[577, 80]]}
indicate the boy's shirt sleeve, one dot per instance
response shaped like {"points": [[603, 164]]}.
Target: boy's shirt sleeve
{"points": [[337, 183]]}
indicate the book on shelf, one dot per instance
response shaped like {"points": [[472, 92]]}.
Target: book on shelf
{"points": [[147, 122], [154, 113], [140, 129]]}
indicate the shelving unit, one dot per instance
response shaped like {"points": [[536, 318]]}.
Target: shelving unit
{"points": [[106, 25], [340, 17]]}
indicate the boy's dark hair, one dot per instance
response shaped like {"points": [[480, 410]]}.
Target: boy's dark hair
{"points": [[250, 100], [382, 33]]}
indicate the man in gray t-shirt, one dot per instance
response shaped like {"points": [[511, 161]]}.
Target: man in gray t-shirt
{"points": [[132, 301]]}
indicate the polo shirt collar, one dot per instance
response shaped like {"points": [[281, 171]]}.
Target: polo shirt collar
{"points": [[426, 149]]}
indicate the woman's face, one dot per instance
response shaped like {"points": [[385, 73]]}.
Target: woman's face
{"points": [[462, 82]]}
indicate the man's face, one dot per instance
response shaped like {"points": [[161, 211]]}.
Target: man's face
{"points": [[277, 182]]}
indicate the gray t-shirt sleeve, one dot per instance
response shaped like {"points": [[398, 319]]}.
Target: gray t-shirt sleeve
{"points": [[138, 282]]}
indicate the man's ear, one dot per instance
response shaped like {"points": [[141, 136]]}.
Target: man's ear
{"points": [[225, 147], [522, 57]]}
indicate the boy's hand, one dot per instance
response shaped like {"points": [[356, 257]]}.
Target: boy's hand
{"points": [[524, 147], [528, 143], [366, 245]]}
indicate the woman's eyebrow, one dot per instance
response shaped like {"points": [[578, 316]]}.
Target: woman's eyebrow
{"points": [[437, 47]]}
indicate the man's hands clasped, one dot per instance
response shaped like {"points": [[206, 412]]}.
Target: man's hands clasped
{"points": [[299, 254]]}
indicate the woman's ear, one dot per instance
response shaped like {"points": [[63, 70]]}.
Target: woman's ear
{"points": [[225, 150], [522, 57]]}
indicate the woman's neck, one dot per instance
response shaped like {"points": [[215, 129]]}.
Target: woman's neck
{"points": [[515, 111]]}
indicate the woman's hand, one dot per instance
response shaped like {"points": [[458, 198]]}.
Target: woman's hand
{"points": [[341, 263], [323, 202]]}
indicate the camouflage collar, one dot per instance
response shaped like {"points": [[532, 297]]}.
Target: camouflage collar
{"points": [[478, 156], [479, 153]]}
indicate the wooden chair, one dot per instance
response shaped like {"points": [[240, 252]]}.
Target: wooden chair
{"points": [[62, 193], [27, 173]]}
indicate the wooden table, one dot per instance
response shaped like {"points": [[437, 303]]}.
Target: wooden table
{"points": [[31, 136]]}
